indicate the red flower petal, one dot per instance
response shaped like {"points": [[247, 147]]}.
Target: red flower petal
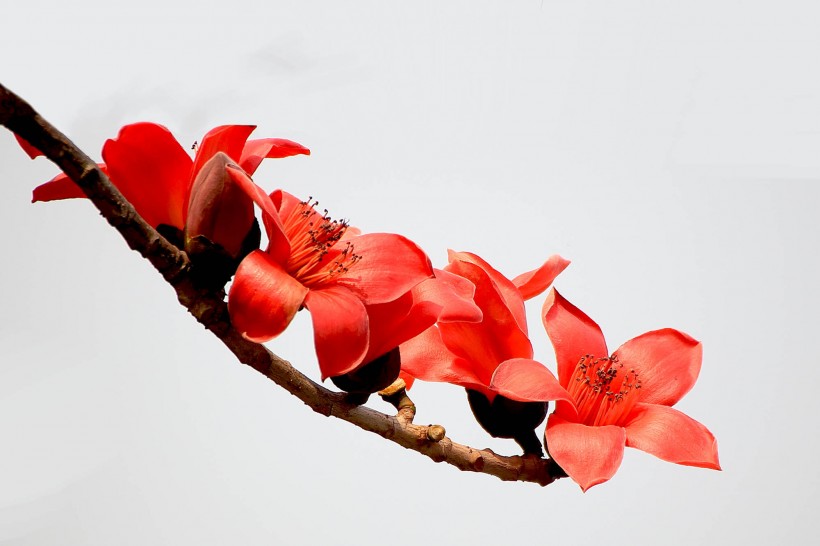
{"points": [[257, 150], [426, 357], [350, 233], [393, 323], [533, 283], [573, 334], [589, 455], [340, 329], [30, 150], [505, 287], [263, 298], [667, 361], [566, 410], [408, 379], [526, 380], [672, 436], [445, 298], [451, 295], [152, 171], [390, 266], [219, 208], [278, 245], [228, 139], [287, 203], [60, 187], [496, 338]]}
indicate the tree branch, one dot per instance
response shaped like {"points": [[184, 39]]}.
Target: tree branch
{"points": [[212, 312]]}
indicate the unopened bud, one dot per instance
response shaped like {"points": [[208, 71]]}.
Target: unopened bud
{"points": [[506, 418], [373, 376], [218, 210], [220, 228]]}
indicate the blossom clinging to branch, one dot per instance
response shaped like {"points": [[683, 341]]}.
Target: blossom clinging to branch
{"points": [[157, 175], [493, 358], [315, 262], [470, 353], [622, 399]]}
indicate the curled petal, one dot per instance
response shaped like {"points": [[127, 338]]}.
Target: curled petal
{"points": [[667, 361], [426, 357], [506, 289], [152, 171], [533, 283], [573, 334], [390, 266], [526, 380], [340, 329], [228, 139], [393, 323], [241, 179], [257, 150], [278, 245], [219, 208], [60, 187], [496, 338], [450, 296], [589, 455], [445, 298], [263, 298], [287, 204], [672, 436]]}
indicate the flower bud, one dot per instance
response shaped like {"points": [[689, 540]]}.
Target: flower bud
{"points": [[218, 209], [372, 377], [220, 228], [506, 418]]}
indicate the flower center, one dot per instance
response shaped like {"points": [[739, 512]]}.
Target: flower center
{"points": [[604, 392], [313, 237]]}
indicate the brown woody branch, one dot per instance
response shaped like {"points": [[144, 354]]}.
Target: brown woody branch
{"points": [[211, 311]]}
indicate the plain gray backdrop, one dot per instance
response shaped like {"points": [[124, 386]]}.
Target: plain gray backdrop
{"points": [[670, 149]]}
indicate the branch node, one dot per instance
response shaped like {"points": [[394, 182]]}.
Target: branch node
{"points": [[436, 433], [478, 463]]}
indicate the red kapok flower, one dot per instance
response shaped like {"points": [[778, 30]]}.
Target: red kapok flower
{"points": [[622, 399], [443, 298], [155, 173], [507, 389], [315, 262], [482, 355]]}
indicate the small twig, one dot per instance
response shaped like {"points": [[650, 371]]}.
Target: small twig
{"points": [[396, 394], [211, 311]]}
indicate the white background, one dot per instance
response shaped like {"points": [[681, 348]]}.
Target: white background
{"points": [[671, 150]]}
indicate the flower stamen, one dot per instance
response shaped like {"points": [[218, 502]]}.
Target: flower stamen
{"points": [[603, 391], [313, 237]]}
